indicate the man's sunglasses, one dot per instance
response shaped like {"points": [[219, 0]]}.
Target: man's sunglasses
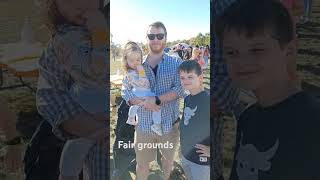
{"points": [[153, 36]]}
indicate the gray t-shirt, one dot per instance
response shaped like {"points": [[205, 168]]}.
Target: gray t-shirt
{"points": [[195, 126]]}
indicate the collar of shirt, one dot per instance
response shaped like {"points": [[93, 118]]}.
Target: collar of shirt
{"points": [[145, 62]]}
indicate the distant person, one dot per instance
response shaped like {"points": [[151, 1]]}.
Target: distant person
{"points": [[180, 51], [307, 11], [206, 55], [281, 128], [196, 56], [188, 53]]}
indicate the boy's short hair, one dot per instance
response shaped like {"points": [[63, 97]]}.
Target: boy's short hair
{"points": [[254, 16], [189, 66]]}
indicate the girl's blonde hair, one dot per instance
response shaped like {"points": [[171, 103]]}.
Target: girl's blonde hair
{"points": [[52, 18], [130, 47], [195, 53]]}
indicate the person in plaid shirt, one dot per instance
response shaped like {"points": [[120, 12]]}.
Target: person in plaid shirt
{"points": [[78, 40], [224, 97], [162, 72]]}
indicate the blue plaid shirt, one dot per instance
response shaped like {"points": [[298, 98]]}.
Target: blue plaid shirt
{"points": [[166, 80], [55, 104], [225, 96]]}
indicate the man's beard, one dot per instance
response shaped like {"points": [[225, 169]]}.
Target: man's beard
{"points": [[157, 50]]}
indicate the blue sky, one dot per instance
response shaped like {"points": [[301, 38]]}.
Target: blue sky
{"points": [[129, 19]]}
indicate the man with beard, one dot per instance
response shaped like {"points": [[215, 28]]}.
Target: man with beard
{"points": [[161, 70]]}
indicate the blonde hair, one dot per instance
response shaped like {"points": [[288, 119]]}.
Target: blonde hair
{"points": [[195, 53], [130, 47]]}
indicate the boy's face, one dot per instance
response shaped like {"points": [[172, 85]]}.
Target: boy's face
{"points": [[254, 62], [190, 80]]}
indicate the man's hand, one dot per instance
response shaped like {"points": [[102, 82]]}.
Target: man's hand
{"points": [[135, 101], [150, 104], [83, 125], [203, 150], [99, 135]]}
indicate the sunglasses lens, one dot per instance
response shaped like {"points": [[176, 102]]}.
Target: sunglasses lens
{"points": [[151, 36], [160, 36]]}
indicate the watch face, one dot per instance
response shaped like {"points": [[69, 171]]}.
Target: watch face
{"points": [[158, 102]]}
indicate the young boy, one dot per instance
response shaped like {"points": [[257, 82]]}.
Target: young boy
{"points": [[277, 138], [195, 124]]}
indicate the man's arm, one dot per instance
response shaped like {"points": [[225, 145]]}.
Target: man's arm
{"points": [[167, 97], [174, 93], [150, 102], [67, 117]]}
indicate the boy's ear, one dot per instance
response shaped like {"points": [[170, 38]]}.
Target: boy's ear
{"points": [[201, 77], [291, 49], [291, 59]]}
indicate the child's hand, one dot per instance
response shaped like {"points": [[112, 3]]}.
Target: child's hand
{"points": [[203, 150], [140, 68]]}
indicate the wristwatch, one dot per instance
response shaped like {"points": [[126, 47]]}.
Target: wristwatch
{"points": [[14, 141], [158, 101]]}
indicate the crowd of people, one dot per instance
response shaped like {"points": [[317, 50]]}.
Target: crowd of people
{"points": [[201, 54]]}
